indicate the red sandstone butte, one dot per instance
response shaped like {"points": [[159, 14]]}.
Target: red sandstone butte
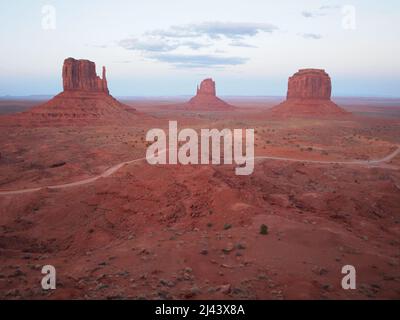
{"points": [[206, 98], [85, 98], [81, 75], [309, 93]]}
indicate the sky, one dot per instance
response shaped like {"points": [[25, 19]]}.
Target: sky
{"points": [[165, 48]]}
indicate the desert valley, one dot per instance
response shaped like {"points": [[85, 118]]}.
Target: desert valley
{"points": [[76, 192]]}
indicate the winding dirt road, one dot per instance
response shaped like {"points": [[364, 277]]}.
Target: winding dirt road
{"points": [[112, 170], [375, 162]]}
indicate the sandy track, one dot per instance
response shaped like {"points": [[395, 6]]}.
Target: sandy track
{"points": [[376, 162], [112, 170]]}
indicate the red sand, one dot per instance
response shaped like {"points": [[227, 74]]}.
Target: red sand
{"points": [[192, 232]]}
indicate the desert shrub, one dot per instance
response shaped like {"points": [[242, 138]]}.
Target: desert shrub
{"points": [[227, 226], [263, 229]]}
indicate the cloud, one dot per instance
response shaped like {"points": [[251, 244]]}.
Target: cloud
{"points": [[159, 44], [173, 32], [238, 43], [233, 29], [148, 45], [167, 45], [100, 46], [321, 11], [194, 45], [308, 14], [198, 61], [216, 30], [314, 36], [327, 7], [103, 46]]}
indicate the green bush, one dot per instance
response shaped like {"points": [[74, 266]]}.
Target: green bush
{"points": [[227, 226], [263, 229]]}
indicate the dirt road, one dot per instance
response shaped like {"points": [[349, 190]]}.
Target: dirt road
{"points": [[112, 170]]}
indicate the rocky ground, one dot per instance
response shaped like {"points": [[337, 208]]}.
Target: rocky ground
{"points": [[194, 232]]}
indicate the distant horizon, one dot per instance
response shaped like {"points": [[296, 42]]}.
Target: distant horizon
{"points": [[48, 96]]}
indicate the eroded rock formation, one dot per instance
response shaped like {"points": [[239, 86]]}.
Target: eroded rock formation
{"points": [[207, 87], [206, 98], [81, 75], [309, 93], [310, 84], [85, 99]]}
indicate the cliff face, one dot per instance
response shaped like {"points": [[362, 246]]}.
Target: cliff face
{"points": [[309, 94], [207, 87], [310, 84], [80, 75]]}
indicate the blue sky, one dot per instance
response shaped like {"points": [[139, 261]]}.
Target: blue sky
{"points": [[166, 47]]}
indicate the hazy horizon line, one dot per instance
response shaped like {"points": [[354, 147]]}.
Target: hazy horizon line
{"points": [[38, 96]]}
